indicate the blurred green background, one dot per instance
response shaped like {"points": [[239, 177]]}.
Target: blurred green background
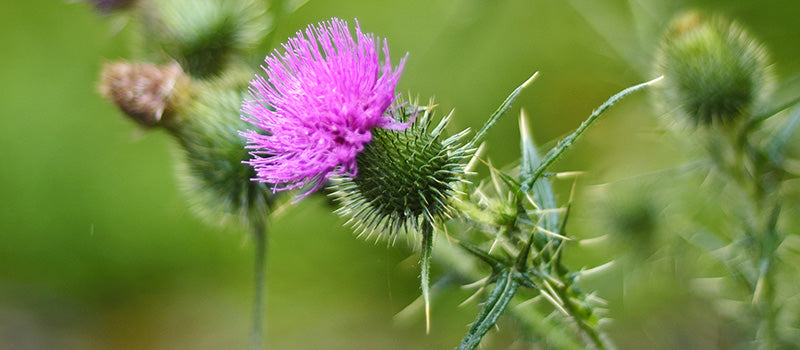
{"points": [[99, 250]]}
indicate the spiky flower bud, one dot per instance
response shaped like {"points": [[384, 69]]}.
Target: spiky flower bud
{"points": [[205, 37], [405, 177], [147, 93], [213, 173], [714, 72]]}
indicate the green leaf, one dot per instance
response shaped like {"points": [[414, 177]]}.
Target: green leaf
{"points": [[779, 139], [567, 141], [509, 181], [500, 111], [542, 190], [759, 119], [522, 258], [494, 262]]}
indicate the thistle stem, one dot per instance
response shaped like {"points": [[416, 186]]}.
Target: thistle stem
{"points": [[763, 190], [596, 339], [260, 245], [764, 299], [764, 291], [425, 267], [504, 291], [536, 324]]}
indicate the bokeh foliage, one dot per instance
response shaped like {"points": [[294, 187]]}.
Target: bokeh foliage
{"points": [[99, 250]]}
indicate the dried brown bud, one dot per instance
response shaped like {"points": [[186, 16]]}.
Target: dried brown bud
{"points": [[686, 23], [145, 92]]}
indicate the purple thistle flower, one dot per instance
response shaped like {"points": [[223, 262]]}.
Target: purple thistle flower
{"points": [[317, 105]]}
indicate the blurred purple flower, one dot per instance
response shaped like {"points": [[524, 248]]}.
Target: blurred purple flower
{"points": [[317, 105], [108, 6]]}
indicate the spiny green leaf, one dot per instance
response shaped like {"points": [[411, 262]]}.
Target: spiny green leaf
{"points": [[495, 263], [779, 139], [567, 141], [542, 190], [500, 111]]}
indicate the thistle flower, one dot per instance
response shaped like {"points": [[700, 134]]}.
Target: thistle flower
{"points": [[318, 105]]}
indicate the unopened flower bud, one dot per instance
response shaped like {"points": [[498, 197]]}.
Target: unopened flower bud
{"points": [[714, 72], [205, 37], [212, 170], [147, 93], [404, 177]]}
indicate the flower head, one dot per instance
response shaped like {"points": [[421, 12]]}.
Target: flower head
{"points": [[715, 73], [316, 106]]}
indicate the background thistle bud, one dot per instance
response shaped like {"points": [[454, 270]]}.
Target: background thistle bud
{"points": [[205, 37], [212, 171], [147, 93], [404, 177], [714, 72], [108, 6]]}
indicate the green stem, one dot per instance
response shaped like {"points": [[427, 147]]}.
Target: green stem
{"points": [[504, 290], [765, 295], [534, 323], [425, 267], [553, 336], [595, 338], [566, 142], [763, 189], [764, 292], [260, 242]]}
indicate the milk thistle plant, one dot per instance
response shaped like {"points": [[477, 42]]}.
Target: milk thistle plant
{"points": [[326, 115]]}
